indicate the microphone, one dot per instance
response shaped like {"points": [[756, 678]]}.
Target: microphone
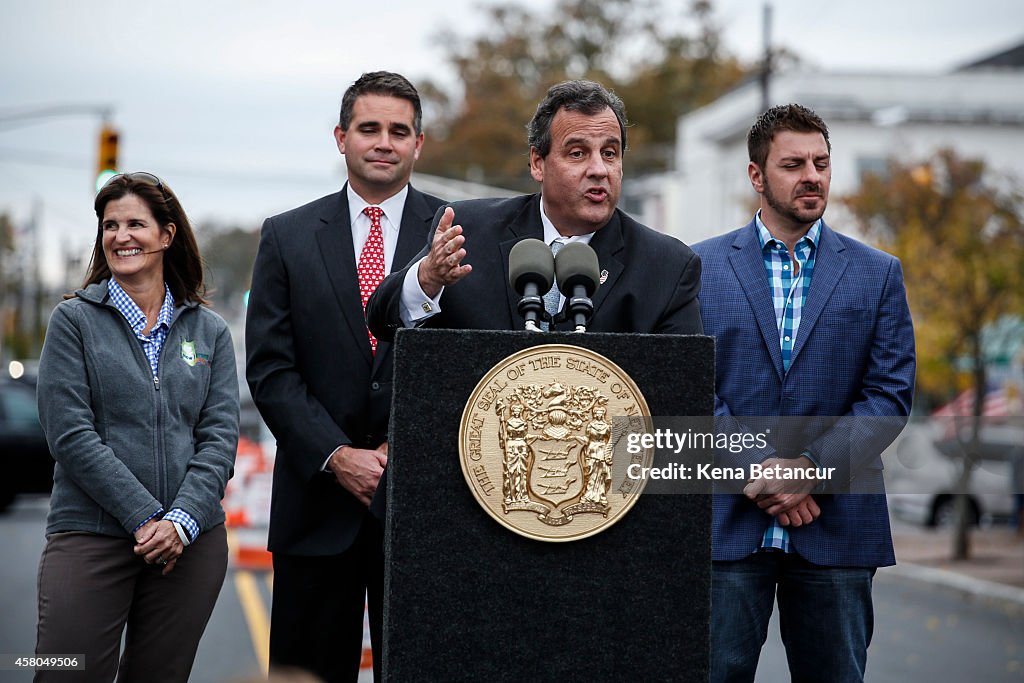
{"points": [[531, 270], [577, 272]]}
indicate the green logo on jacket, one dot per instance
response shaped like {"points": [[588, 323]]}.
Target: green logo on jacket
{"points": [[188, 352], [191, 356]]}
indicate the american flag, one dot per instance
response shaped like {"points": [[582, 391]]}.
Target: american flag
{"points": [[999, 402]]}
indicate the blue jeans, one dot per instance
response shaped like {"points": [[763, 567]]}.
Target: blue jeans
{"points": [[825, 615]]}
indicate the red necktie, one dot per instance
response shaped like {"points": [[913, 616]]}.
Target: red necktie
{"points": [[371, 262]]}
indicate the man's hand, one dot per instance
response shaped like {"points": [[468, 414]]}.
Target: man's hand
{"points": [[359, 470], [778, 495], [442, 266], [805, 512]]}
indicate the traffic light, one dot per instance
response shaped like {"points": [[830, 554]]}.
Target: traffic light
{"points": [[106, 161]]}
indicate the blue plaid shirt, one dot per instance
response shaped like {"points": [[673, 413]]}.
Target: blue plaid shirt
{"points": [[152, 344], [789, 283], [154, 341]]}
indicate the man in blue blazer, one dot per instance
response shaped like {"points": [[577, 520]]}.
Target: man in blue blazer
{"points": [[808, 324]]}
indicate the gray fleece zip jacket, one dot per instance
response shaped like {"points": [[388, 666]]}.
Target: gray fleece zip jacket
{"points": [[127, 445]]}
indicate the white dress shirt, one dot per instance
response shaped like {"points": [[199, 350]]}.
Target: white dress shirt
{"points": [[390, 222]]}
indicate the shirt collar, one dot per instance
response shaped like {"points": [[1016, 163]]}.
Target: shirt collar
{"points": [[392, 206], [131, 311], [551, 232], [764, 236], [166, 315]]}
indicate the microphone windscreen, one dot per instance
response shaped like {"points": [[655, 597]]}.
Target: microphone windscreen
{"points": [[576, 264], [530, 261]]}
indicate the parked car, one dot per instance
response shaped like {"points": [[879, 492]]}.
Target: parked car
{"points": [[25, 461], [921, 476]]}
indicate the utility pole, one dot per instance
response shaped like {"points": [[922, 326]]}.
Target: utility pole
{"points": [[6, 247], [766, 64], [37, 280], [29, 317]]}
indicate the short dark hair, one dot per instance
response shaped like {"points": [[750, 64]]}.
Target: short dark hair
{"points": [[793, 117], [585, 97], [183, 266], [384, 83]]}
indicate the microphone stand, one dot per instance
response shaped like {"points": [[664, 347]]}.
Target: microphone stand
{"points": [[580, 307], [531, 306]]}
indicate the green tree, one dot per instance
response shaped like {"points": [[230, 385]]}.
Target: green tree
{"points": [[958, 228], [641, 49]]}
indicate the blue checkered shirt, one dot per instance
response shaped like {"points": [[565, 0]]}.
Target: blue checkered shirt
{"points": [[789, 292], [154, 341], [152, 344]]}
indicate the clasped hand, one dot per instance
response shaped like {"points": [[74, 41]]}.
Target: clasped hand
{"points": [[157, 542], [788, 500], [358, 470]]}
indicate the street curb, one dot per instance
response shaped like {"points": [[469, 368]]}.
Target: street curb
{"points": [[958, 582]]}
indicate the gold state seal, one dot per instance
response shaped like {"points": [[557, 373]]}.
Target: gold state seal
{"points": [[540, 435]]}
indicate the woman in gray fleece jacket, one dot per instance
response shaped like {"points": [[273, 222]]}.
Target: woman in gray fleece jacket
{"points": [[138, 396]]}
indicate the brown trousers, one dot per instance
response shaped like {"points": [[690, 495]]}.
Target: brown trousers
{"points": [[91, 587]]}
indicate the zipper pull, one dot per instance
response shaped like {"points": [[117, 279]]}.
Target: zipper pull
{"points": [[156, 383]]}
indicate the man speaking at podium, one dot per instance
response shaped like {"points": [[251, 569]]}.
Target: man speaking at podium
{"points": [[648, 282]]}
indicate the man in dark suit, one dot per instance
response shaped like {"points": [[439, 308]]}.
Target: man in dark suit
{"points": [[808, 324], [649, 281], [323, 384]]}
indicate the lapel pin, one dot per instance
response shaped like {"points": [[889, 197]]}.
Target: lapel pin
{"points": [[604, 276]]}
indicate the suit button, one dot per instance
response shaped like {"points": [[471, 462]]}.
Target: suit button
{"points": [[375, 386]]}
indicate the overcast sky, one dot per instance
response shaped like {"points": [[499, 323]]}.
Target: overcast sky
{"points": [[233, 102]]}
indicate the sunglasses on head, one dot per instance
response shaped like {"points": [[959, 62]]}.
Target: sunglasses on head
{"points": [[140, 176]]}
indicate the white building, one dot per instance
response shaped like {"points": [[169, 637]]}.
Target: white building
{"points": [[977, 111]]}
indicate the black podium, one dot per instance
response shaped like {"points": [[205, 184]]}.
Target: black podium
{"points": [[467, 599]]}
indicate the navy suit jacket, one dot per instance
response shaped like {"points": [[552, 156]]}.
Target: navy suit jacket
{"points": [[853, 358], [310, 368]]}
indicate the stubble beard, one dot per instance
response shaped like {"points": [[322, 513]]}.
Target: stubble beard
{"points": [[792, 212]]}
